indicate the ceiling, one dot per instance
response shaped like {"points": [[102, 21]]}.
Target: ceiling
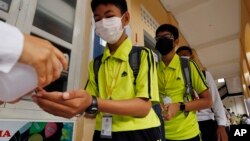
{"points": [[212, 28]]}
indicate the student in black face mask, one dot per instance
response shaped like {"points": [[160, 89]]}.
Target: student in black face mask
{"points": [[166, 39], [164, 45], [178, 125]]}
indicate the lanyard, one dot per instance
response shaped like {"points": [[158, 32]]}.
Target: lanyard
{"points": [[165, 81], [110, 88]]}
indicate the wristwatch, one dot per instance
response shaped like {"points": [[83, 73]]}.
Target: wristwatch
{"points": [[182, 106], [93, 108]]}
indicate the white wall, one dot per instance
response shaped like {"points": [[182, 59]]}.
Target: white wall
{"points": [[236, 104]]}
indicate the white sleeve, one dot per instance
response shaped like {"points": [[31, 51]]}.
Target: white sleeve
{"points": [[217, 106], [11, 46]]}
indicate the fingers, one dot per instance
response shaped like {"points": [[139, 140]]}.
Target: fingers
{"points": [[55, 108], [75, 94], [170, 111], [49, 71], [57, 68], [44, 58], [52, 96], [61, 58], [53, 103], [67, 104], [73, 100]]}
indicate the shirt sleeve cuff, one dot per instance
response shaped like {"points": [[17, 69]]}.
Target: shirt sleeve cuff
{"points": [[222, 123]]}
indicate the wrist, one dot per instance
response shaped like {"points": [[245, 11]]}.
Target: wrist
{"points": [[93, 107], [182, 106]]}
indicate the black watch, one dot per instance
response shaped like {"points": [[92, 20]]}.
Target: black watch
{"points": [[93, 108], [182, 106]]}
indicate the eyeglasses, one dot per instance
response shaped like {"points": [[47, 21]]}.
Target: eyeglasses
{"points": [[167, 35]]}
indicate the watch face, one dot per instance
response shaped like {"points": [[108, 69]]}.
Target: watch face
{"points": [[94, 110], [182, 107]]}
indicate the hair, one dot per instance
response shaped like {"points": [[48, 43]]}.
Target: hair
{"points": [[187, 48], [170, 28], [121, 4]]}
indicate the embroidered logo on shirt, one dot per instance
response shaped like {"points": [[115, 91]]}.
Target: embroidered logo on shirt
{"points": [[124, 74]]}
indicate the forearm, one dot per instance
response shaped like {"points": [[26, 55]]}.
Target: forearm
{"points": [[218, 109], [133, 107], [198, 105], [204, 102]]}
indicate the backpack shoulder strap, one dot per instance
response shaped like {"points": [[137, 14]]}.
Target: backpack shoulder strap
{"points": [[185, 66], [96, 65], [134, 60]]}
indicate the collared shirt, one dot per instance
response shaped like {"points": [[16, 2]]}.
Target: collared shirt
{"points": [[117, 67], [171, 84], [218, 112], [11, 46]]}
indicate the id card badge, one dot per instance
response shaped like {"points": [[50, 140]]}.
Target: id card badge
{"points": [[106, 131]]}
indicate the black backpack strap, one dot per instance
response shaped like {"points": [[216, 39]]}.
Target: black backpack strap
{"points": [[134, 60], [96, 67], [185, 67]]}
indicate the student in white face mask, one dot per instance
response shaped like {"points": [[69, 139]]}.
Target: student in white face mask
{"points": [[110, 29], [121, 103]]}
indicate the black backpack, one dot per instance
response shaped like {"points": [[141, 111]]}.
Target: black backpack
{"points": [[134, 62]]}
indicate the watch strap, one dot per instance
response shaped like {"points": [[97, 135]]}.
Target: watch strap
{"points": [[182, 106], [93, 108]]}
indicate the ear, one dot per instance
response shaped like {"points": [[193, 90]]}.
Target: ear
{"points": [[176, 42], [126, 18], [192, 56]]}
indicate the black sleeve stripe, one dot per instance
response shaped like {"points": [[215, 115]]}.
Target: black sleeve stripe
{"points": [[149, 68], [86, 84], [200, 73], [153, 60], [149, 78]]}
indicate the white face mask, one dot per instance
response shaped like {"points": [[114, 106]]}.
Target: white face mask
{"points": [[109, 29], [187, 57]]}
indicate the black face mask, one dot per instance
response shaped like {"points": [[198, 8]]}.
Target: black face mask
{"points": [[164, 45]]}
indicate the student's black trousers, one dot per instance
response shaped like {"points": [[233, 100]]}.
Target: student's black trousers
{"points": [[196, 138], [208, 130], [151, 134]]}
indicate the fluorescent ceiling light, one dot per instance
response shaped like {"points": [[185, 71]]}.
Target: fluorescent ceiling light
{"points": [[221, 80]]}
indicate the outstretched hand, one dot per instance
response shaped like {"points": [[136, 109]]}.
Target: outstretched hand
{"points": [[63, 104]]}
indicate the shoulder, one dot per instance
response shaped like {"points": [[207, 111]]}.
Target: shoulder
{"points": [[140, 49]]}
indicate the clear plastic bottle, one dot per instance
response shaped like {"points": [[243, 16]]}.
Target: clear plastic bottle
{"points": [[21, 80]]}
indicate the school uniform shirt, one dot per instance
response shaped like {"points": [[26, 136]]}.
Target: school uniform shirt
{"points": [[117, 66], [171, 84], [11, 46], [218, 112]]}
